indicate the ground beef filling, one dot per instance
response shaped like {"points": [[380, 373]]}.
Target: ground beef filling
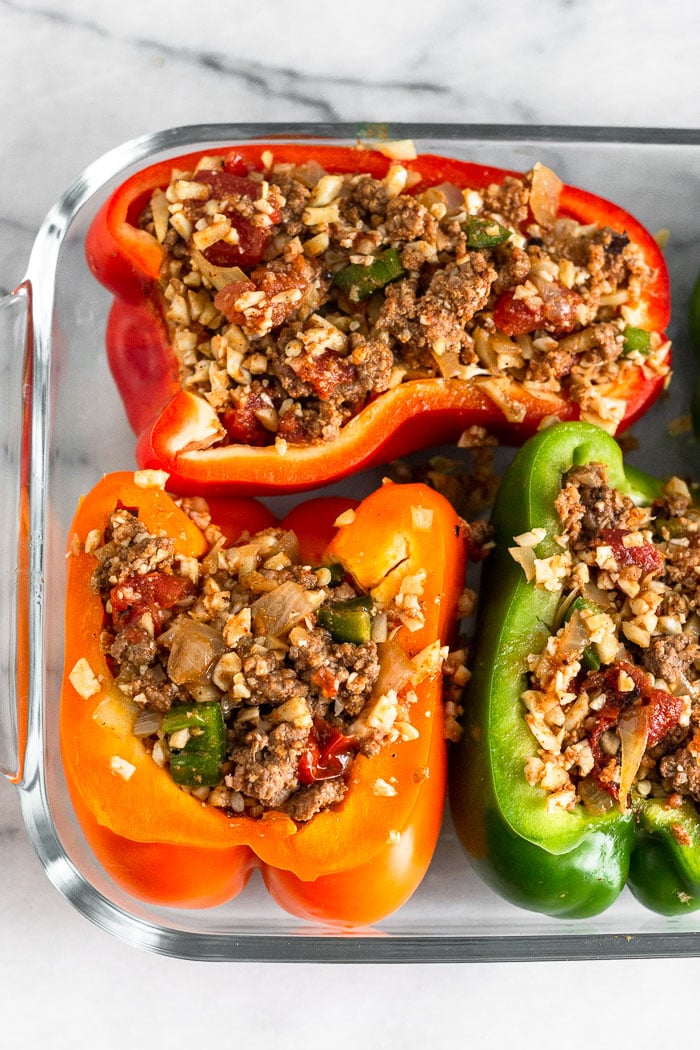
{"points": [[294, 296], [613, 700], [243, 630]]}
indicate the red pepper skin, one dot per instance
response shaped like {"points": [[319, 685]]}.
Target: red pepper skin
{"points": [[347, 866], [313, 521], [413, 415]]}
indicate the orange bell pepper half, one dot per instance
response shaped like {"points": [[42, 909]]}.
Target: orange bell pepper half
{"points": [[351, 864], [172, 424]]}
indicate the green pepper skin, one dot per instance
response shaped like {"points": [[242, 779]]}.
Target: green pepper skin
{"points": [[485, 233], [694, 333], [665, 865], [567, 864], [349, 620], [198, 763], [636, 339], [359, 281], [694, 316], [574, 885]]}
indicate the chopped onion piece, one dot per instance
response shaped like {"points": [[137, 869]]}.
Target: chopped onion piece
{"points": [[525, 557], [117, 713], [594, 798], [563, 608], [454, 197], [595, 595], [380, 627], [395, 668], [289, 546], [574, 637], [219, 276], [194, 649], [633, 732], [147, 723], [544, 194], [275, 613]]}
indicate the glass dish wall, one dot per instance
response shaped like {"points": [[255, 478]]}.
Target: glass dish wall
{"points": [[63, 411]]}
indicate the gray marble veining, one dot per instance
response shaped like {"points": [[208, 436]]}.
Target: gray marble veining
{"points": [[77, 78]]}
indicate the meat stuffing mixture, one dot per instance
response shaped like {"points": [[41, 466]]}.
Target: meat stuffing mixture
{"points": [[613, 700], [293, 296], [259, 678]]}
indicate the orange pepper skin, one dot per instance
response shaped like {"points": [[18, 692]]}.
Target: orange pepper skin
{"points": [[365, 894], [172, 876], [161, 844], [413, 415]]}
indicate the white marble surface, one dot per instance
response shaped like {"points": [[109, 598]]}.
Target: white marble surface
{"points": [[78, 77]]}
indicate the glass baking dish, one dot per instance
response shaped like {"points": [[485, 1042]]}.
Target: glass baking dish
{"points": [[63, 426]]}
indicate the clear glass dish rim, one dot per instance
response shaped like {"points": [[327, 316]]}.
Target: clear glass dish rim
{"points": [[330, 946]]}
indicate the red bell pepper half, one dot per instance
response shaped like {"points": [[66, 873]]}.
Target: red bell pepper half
{"points": [[174, 425], [353, 863]]}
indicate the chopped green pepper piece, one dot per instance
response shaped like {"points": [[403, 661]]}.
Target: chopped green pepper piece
{"points": [[668, 528], [198, 762], [337, 572], [577, 604], [637, 340], [590, 661], [485, 233], [349, 620], [359, 281]]}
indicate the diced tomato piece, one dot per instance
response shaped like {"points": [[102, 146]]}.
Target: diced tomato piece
{"points": [[662, 710], [252, 239], [235, 162], [554, 308], [243, 426], [326, 681], [226, 300], [645, 556], [327, 755], [155, 593], [518, 316], [276, 306], [224, 184]]}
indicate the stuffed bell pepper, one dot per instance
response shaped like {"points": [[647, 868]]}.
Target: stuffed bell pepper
{"points": [[579, 766], [285, 315], [243, 693]]}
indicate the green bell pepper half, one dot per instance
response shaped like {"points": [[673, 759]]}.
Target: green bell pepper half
{"points": [[571, 864]]}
